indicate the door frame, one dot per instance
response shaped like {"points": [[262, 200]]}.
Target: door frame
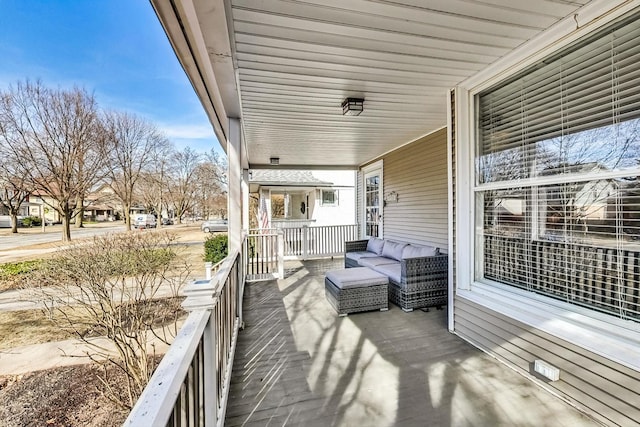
{"points": [[375, 168]]}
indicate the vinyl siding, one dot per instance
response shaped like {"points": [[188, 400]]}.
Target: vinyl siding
{"points": [[417, 172], [608, 391]]}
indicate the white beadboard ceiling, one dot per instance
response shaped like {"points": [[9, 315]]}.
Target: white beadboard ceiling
{"points": [[292, 63]]}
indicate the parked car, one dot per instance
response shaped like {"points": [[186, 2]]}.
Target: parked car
{"points": [[144, 221], [213, 225], [166, 221]]}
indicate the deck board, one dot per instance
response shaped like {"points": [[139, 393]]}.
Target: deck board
{"points": [[298, 363]]}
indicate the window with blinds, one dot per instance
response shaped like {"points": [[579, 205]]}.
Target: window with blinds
{"points": [[558, 175]]}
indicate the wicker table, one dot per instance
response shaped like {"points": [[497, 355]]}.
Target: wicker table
{"points": [[356, 289]]}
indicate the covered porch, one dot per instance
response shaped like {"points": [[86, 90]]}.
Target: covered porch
{"points": [[298, 363], [448, 154]]}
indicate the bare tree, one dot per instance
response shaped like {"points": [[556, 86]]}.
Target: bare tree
{"points": [[14, 187], [57, 137], [211, 185], [183, 186], [154, 193], [131, 142]]}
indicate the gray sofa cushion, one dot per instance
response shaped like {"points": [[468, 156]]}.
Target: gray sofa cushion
{"points": [[413, 251], [393, 271], [378, 260], [356, 256], [393, 250], [375, 245], [357, 277]]}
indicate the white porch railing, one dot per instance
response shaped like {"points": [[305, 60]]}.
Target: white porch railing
{"points": [[267, 249], [264, 252], [190, 387], [312, 242]]}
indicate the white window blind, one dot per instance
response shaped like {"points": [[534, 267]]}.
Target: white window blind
{"points": [[557, 175]]}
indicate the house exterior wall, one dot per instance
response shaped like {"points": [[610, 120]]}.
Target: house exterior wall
{"points": [[597, 356], [342, 213], [417, 173]]}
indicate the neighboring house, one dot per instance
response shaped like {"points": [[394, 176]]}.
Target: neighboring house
{"points": [[457, 105], [45, 203], [292, 198], [102, 205]]}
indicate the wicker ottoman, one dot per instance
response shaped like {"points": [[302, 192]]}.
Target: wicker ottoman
{"points": [[356, 289]]}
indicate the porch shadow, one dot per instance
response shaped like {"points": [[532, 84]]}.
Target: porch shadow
{"points": [[297, 363]]}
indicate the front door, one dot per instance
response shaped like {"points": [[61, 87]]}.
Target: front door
{"points": [[373, 203]]}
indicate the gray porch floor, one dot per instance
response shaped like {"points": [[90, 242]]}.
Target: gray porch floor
{"points": [[298, 363]]}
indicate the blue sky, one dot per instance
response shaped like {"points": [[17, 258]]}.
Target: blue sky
{"points": [[115, 49]]}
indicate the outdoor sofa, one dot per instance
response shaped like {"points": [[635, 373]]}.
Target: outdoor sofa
{"points": [[418, 275]]}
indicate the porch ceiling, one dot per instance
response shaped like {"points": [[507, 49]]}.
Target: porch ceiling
{"points": [[285, 66]]}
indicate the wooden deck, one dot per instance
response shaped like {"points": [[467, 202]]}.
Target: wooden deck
{"points": [[298, 363]]}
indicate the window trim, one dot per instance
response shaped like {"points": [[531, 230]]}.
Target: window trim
{"points": [[574, 324], [372, 167], [336, 199], [611, 338]]}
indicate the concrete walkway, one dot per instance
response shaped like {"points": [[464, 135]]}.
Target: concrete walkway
{"points": [[38, 357], [29, 299]]}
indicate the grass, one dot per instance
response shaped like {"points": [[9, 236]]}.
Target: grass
{"points": [[12, 274], [26, 327], [18, 328]]}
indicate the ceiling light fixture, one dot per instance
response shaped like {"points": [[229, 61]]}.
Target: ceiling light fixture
{"points": [[274, 160], [352, 106]]}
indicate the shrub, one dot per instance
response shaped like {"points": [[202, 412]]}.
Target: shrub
{"points": [[31, 221], [216, 248], [111, 282]]}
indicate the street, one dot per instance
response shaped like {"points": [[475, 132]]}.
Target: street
{"points": [[20, 245]]}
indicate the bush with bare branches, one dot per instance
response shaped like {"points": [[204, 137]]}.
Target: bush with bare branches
{"points": [[117, 294]]}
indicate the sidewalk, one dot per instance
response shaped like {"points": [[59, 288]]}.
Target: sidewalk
{"points": [[25, 299], [38, 357]]}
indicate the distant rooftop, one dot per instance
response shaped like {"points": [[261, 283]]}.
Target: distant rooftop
{"points": [[285, 177]]}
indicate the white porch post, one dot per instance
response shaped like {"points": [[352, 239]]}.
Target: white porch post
{"points": [[201, 295], [280, 244], [305, 241], [234, 201], [245, 200]]}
